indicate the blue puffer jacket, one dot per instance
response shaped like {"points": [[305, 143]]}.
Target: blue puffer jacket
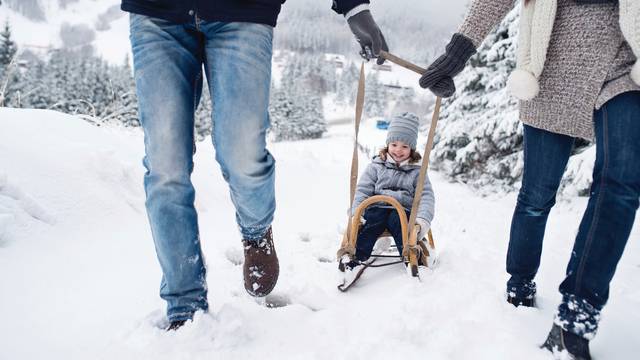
{"points": [[254, 11], [386, 177]]}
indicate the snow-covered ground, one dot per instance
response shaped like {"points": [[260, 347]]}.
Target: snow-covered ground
{"points": [[79, 278]]}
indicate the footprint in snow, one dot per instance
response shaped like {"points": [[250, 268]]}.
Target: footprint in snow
{"points": [[326, 259], [277, 300], [15, 200], [234, 255], [304, 237]]}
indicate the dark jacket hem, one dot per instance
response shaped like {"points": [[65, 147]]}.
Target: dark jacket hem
{"points": [[259, 15]]}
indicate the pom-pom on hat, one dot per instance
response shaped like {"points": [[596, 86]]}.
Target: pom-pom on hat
{"points": [[404, 128], [536, 25]]}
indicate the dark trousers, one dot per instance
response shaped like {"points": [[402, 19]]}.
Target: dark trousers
{"points": [[377, 219], [608, 219]]}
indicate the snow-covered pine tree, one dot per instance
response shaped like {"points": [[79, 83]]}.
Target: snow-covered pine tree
{"points": [[76, 83], [296, 107], [34, 93], [480, 137], [347, 85], [8, 73], [407, 102], [376, 101], [295, 115], [203, 122], [123, 105], [8, 48]]}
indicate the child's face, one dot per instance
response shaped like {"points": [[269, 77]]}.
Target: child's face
{"points": [[399, 151]]}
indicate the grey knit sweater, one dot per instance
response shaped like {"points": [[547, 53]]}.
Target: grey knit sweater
{"points": [[588, 63]]}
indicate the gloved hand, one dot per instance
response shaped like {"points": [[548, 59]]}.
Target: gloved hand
{"points": [[424, 227], [368, 35], [439, 75]]}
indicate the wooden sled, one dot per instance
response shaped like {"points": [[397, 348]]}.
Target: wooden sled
{"points": [[415, 251]]}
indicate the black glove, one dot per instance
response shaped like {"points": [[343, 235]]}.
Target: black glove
{"points": [[439, 75], [368, 35]]}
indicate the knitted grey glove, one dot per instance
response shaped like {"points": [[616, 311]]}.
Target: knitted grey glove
{"points": [[368, 35], [439, 75]]}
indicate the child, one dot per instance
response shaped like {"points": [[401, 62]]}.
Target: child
{"points": [[393, 172]]}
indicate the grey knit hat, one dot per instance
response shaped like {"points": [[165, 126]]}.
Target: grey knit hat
{"points": [[404, 128]]}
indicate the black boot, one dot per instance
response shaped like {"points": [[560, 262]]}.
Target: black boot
{"points": [[560, 340], [175, 325], [529, 301], [522, 295]]}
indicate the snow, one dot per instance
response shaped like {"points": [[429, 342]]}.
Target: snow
{"points": [[79, 278], [112, 44]]}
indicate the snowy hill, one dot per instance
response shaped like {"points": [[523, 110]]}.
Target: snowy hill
{"points": [[42, 24], [79, 278]]}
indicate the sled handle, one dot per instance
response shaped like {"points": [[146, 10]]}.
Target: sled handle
{"points": [[400, 62]]}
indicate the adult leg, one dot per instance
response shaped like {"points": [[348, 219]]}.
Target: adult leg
{"points": [[545, 158], [167, 65], [374, 225], [609, 217], [238, 67]]}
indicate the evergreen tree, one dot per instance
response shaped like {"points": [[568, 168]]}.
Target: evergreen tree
{"points": [[34, 93], [295, 117], [407, 102], [480, 137], [296, 108], [8, 48], [376, 101], [122, 105], [347, 86], [203, 116], [479, 140]]}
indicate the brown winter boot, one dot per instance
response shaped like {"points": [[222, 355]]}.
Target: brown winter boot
{"points": [[261, 267]]}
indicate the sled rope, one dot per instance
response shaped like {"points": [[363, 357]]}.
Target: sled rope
{"points": [[354, 157], [385, 264]]}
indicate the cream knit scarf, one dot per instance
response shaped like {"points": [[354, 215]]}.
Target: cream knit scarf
{"points": [[536, 24]]}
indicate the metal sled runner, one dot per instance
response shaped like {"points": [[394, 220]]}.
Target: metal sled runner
{"points": [[415, 251]]}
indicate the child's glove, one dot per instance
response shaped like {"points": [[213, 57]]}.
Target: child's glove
{"points": [[439, 75], [424, 227]]}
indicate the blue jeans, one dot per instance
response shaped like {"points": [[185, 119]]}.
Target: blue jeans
{"points": [[377, 219], [168, 64], [607, 221]]}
